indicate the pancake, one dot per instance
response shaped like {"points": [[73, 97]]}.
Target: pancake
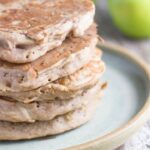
{"points": [[72, 55], [43, 111], [60, 124], [31, 28], [63, 88]]}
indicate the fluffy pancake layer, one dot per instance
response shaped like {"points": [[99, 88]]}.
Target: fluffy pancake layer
{"points": [[44, 111], [60, 124], [73, 54], [31, 28], [63, 88]]}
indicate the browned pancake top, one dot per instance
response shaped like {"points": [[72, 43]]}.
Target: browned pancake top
{"points": [[34, 16], [6, 1], [69, 46]]}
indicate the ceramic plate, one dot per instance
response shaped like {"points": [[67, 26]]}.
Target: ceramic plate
{"points": [[123, 109]]}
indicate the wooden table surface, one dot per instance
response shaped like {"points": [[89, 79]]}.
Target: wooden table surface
{"points": [[140, 141]]}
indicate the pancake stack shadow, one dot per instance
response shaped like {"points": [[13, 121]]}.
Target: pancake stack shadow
{"points": [[50, 69]]}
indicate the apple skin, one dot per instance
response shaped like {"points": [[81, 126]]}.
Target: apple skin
{"points": [[94, 1], [132, 17]]}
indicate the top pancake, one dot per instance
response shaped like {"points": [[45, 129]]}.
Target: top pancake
{"points": [[30, 28]]}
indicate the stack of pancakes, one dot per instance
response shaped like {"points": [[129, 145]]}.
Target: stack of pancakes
{"points": [[50, 69]]}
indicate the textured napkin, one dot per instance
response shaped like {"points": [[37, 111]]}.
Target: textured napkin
{"points": [[140, 141]]}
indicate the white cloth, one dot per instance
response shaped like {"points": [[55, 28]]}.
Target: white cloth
{"points": [[140, 141]]}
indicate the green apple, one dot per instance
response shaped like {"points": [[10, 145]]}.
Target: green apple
{"points": [[132, 17], [94, 1]]}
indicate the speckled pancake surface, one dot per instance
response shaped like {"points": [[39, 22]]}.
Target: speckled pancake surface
{"points": [[63, 88], [31, 28], [60, 124], [72, 55], [43, 111]]}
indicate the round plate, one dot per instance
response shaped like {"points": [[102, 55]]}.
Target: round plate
{"points": [[123, 108]]}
